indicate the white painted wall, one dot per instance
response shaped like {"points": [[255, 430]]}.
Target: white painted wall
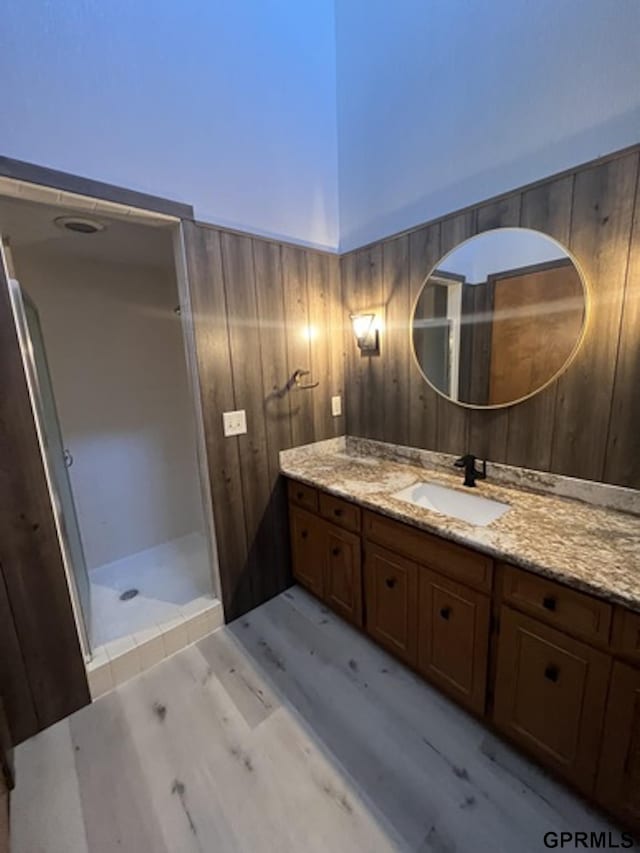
{"points": [[228, 105], [231, 105], [116, 356], [444, 103]]}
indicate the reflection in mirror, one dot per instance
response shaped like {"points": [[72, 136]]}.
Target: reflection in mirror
{"points": [[499, 317]]}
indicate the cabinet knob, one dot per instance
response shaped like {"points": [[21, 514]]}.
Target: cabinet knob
{"points": [[304, 534], [549, 603], [337, 512], [335, 551], [299, 495], [551, 673], [445, 612], [390, 582]]}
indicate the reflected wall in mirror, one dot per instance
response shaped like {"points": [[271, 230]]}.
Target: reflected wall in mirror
{"points": [[499, 317]]}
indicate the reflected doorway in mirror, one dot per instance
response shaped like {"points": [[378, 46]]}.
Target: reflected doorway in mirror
{"points": [[499, 318]]}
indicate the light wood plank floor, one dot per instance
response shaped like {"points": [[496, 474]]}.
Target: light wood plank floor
{"points": [[285, 731]]}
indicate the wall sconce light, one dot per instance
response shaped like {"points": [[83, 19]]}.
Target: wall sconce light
{"points": [[364, 328]]}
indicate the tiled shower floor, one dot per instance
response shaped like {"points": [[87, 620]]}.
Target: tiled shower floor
{"points": [[174, 606], [167, 577]]}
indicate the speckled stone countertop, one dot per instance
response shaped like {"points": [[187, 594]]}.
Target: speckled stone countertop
{"points": [[584, 544]]}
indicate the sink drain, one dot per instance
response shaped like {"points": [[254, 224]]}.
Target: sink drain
{"points": [[128, 594]]}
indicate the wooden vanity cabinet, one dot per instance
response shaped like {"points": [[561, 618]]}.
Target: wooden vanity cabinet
{"points": [[577, 613], [340, 512], [453, 638], [550, 695], [326, 560], [618, 784], [391, 589], [343, 573], [625, 634], [307, 549], [303, 495], [461, 564], [557, 670]]}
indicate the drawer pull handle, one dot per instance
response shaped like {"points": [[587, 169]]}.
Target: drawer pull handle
{"points": [[336, 551], [551, 673], [337, 512], [549, 603], [304, 534], [445, 612], [390, 582]]}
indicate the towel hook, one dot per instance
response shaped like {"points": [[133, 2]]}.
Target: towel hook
{"points": [[295, 380]]}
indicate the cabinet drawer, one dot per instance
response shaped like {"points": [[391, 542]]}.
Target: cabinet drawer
{"points": [[453, 638], [391, 596], [340, 512], [574, 612], [550, 695], [305, 496], [452, 560], [625, 634]]}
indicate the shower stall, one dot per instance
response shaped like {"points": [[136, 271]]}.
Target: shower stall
{"points": [[103, 325]]}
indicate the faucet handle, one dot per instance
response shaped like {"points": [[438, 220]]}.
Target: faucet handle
{"points": [[467, 459], [471, 473]]}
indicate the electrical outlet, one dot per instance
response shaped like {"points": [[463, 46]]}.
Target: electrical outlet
{"points": [[336, 406], [234, 423]]}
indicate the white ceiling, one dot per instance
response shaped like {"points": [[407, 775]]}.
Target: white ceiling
{"points": [[30, 225]]}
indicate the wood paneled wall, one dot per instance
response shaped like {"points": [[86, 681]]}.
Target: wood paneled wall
{"points": [[261, 310], [587, 424]]}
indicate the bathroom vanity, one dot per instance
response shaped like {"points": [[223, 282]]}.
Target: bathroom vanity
{"points": [[530, 621]]}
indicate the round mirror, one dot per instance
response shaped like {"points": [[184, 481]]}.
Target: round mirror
{"points": [[499, 317]]}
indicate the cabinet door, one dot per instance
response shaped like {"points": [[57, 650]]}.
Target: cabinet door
{"points": [[343, 576], [453, 638], [391, 590], [550, 695], [307, 549], [618, 785]]}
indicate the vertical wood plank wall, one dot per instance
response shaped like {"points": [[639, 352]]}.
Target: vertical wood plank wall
{"points": [[261, 310], [587, 424]]}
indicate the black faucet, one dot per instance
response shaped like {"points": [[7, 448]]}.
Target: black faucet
{"points": [[471, 473]]}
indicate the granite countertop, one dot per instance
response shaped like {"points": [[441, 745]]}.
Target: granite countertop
{"points": [[586, 545]]}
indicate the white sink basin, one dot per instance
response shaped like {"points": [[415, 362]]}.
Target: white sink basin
{"points": [[472, 508]]}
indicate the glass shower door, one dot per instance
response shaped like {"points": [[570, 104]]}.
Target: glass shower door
{"points": [[56, 458]]}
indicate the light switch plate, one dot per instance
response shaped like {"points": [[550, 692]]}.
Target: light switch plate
{"points": [[234, 423], [336, 406]]}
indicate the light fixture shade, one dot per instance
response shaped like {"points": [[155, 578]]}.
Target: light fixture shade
{"points": [[366, 334]]}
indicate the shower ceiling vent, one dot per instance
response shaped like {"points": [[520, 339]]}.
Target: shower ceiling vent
{"points": [[79, 224]]}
